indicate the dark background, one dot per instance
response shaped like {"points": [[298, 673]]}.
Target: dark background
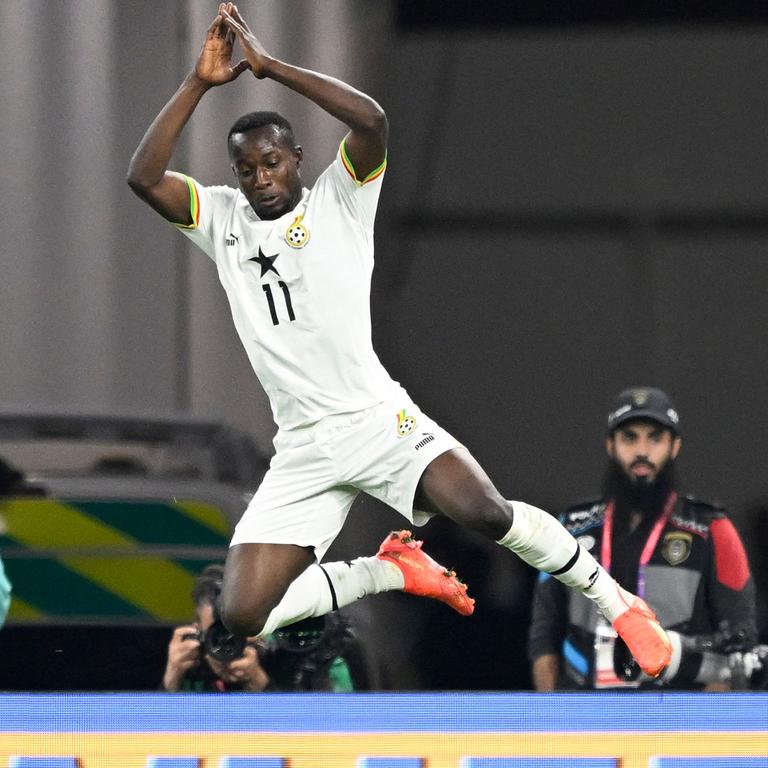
{"points": [[575, 203], [463, 15]]}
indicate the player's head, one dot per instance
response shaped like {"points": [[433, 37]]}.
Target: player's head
{"points": [[266, 160], [643, 437]]}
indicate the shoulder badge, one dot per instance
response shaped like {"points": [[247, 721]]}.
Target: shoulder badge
{"points": [[676, 547], [580, 518]]}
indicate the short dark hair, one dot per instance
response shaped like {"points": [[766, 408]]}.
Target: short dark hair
{"points": [[254, 120], [208, 585]]}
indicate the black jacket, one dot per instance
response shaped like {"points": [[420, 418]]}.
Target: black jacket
{"points": [[697, 578]]}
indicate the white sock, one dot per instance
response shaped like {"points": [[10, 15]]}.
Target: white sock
{"points": [[324, 588], [541, 541]]}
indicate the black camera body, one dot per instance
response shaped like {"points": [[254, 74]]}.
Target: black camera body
{"points": [[218, 642], [297, 657], [727, 655]]}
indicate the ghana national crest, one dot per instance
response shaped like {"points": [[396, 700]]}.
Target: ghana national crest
{"points": [[297, 235], [405, 424]]}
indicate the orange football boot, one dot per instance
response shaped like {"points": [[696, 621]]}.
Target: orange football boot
{"points": [[644, 637], [423, 576]]}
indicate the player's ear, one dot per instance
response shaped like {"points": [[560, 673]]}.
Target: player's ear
{"points": [[299, 153], [609, 445], [676, 443]]}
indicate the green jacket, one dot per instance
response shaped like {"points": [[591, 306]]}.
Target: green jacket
{"points": [[5, 594]]}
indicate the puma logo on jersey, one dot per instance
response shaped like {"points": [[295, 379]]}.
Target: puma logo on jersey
{"points": [[428, 438], [232, 239]]}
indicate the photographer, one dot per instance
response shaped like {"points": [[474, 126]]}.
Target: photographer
{"points": [[12, 483], [5, 594], [315, 654], [191, 668]]}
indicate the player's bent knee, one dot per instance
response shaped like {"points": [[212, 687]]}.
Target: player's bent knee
{"points": [[240, 619], [499, 519], [492, 518]]}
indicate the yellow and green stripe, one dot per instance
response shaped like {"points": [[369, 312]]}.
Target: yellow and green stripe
{"points": [[374, 174], [110, 559], [194, 205]]}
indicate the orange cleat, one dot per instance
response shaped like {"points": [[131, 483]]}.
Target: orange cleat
{"points": [[644, 637], [423, 576]]}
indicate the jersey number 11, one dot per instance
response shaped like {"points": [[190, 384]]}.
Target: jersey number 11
{"points": [[270, 300]]}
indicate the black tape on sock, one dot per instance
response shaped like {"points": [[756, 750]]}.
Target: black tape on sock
{"points": [[569, 564], [334, 601]]}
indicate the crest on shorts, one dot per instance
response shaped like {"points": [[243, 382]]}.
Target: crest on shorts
{"points": [[297, 235], [676, 547], [405, 424]]}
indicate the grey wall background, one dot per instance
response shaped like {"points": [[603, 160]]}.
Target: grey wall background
{"points": [[566, 212], [592, 215]]}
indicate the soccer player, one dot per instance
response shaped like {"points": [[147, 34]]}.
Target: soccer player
{"points": [[296, 265]]}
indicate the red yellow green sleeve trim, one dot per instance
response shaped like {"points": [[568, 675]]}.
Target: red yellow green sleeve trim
{"points": [[194, 205], [374, 174]]}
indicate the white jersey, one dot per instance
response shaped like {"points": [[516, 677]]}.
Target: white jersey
{"points": [[299, 291]]}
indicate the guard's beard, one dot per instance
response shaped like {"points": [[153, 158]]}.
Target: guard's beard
{"points": [[629, 494]]}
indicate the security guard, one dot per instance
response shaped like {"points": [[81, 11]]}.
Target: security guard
{"points": [[681, 555]]}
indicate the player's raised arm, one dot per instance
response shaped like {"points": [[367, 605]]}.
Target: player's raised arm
{"points": [[148, 174], [366, 144]]}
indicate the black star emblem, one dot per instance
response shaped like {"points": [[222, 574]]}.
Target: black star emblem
{"points": [[265, 262]]}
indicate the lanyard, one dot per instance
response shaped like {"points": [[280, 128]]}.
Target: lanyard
{"points": [[650, 545]]}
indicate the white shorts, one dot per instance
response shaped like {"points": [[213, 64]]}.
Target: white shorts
{"points": [[317, 472]]}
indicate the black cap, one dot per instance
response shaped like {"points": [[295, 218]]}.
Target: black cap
{"points": [[644, 403]]}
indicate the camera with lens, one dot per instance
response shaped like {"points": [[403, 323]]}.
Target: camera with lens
{"points": [[725, 656], [218, 642], [298, 657]]}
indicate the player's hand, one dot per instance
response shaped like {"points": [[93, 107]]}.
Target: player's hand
{"points": [[214, 64], [254, 52], [183, 654], [246, 671]]}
